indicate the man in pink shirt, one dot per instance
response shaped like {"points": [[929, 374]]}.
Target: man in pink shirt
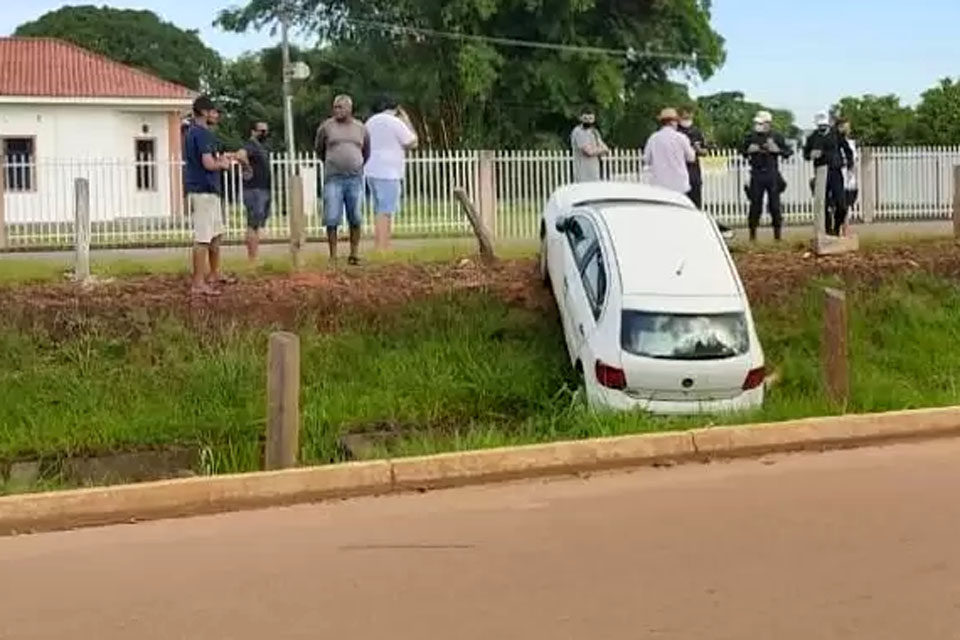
{"points": [[667, 154]]}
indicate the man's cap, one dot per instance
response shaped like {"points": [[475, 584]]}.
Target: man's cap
{"points": [[204, 103], [821, 119], [668, 114]]}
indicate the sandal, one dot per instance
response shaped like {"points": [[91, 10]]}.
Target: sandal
{"points": [[205, 290], [224, 280]]}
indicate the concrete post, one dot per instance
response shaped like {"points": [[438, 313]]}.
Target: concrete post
{"points": [[834, 347], [487, 192], [283, 401], [868, 185], [297, 222], [956, 201], [81, 228], [820, 201]]}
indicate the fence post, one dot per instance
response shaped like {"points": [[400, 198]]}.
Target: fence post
{"points": [[3, 211], [81, 229], [868, 186], [487, 192], [283, 401], [296, 219], [834, 346], [956, 201]]}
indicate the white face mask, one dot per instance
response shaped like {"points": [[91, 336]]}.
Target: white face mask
{"points": [[686, 124], [759, 128]]}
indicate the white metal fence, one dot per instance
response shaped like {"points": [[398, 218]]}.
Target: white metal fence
{"points": [[141, 202]]}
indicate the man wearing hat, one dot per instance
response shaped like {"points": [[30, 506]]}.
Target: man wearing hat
{"points": [[667, 154], [763, 149]]}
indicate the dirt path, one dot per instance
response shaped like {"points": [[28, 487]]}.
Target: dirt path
{"points": [[851, 544], [321, 297]]}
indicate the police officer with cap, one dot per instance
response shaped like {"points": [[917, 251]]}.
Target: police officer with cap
{"points": [[763, 149], [827, 146]]}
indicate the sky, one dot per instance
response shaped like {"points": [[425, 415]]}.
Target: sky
{"points": [[801, 55]]}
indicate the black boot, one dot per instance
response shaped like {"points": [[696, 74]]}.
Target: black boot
{"points": [[777, 233], [753, 234]]}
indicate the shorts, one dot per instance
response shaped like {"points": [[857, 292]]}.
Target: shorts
{"points": [[341, 194], [207, 213], [385, 194], [257, 202]]}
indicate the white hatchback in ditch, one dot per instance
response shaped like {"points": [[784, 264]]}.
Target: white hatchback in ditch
{"points": [[653, 310]]}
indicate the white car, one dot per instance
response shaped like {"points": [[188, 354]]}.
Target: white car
{"points": [[653, 310]]}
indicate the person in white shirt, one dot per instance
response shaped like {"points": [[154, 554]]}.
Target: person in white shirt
{"points": [[667, 154], [391, 135], [851, 187]]}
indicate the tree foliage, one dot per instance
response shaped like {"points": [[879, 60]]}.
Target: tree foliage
{"points": [[136, 38], [879, 120], [883, 120], [726, 118], [467, 91]]}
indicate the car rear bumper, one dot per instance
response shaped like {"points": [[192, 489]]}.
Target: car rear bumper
{"points": [[600, 397]]}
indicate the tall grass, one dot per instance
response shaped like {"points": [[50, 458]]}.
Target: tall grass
{"points": [[460, 371]]}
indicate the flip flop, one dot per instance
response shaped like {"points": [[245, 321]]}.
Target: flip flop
{"points": [[204, 291]]}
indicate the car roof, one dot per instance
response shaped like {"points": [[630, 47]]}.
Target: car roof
{"points": [[584, 193], [668, 250]]}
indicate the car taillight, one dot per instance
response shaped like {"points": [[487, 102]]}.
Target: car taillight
{"points": [[755, 378], [610, 377]]}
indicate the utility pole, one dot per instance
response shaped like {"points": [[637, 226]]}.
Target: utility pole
{"points": [[287, 76]]}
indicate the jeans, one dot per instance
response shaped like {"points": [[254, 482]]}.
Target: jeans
{"points": [[342, 194]]}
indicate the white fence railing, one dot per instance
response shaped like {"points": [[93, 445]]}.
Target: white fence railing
{"points": [[141, 202]]}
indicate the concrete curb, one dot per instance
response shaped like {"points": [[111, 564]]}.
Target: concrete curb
{"points": [[194, 496]]}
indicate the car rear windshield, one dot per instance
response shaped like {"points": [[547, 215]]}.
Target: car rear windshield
{"points": [[671, 336]]}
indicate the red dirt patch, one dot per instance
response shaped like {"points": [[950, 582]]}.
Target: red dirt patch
{"points": [[322, 297]]}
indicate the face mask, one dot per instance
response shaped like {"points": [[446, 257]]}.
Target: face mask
{"points": [[686, 124], [588, 125], [759, 128], [262, 137], [823, 128]]}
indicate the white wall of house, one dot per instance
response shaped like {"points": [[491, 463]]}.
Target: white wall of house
{"points": [[97, 142]]}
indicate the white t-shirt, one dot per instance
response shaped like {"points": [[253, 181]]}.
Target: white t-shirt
{"points": [[389, 137]]}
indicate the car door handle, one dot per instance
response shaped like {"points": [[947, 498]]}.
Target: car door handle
{"points": [[580, 327], [566, 284]]}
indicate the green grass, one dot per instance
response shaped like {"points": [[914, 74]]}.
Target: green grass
{"points": [[464, 371]]}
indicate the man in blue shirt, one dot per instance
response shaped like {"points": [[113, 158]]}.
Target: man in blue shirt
{"points": [[202, 180]]}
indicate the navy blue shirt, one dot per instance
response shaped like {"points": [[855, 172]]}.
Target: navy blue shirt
{"points": [[197, 179]]}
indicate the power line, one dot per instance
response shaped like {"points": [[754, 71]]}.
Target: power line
{"points": [[630, 54]]}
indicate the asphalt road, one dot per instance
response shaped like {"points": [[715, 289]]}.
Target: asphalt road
{"points": [[854, 544]]}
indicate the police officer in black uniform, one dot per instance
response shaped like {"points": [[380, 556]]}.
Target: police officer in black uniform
{"points": [[827, 146], [763, 148]]}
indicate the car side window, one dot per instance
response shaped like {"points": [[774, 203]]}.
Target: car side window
{"points": [[582, 237], [595, 280]]}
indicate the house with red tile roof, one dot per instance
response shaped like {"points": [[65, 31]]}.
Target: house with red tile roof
{"points": [[66, 111]]}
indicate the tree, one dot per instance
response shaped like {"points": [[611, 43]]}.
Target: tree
{"points": [[726, 118], [938, 114], [463, 88], [878, 120], [136, 38]]}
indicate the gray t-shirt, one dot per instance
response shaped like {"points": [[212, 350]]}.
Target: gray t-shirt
{"points": [[585, 168], [344, 147]]}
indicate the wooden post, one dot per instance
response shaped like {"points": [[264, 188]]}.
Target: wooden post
{"points": [[3, 196], [81, 229], [479, 229], [956, 201], [297, 223], [283, 401], [868, 185], [487, 193], [834, 347]]}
